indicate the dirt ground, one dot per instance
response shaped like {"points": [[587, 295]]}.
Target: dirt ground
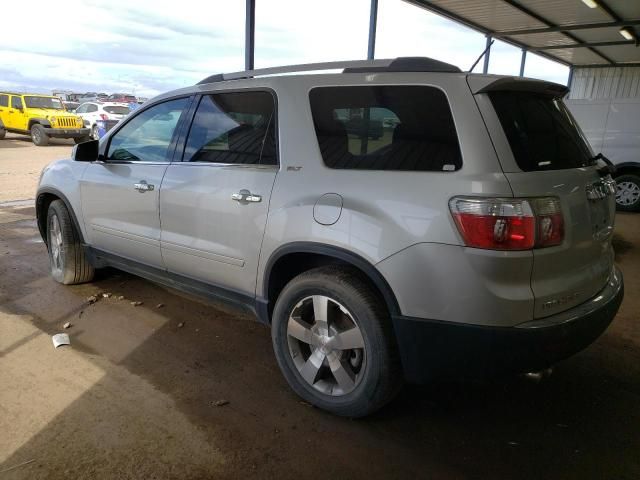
{"points": [[21, 163], [134, 396]]}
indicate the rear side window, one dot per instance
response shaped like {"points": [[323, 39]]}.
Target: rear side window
{"points": [[234, 127], [543, 135], [4, 100], [407, 128], [16, 102]]}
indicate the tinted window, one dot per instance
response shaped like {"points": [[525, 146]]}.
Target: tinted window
{"points": [[148, 136], [233, 128], [4, 100], [44, 102], [117, 110], [16, 102], [92, 108], [385, 128], [541, 132]]}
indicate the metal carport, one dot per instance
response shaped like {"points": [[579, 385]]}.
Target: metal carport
{"points": [[575, 33]]}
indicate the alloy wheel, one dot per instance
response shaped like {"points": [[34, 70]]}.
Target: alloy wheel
{"points": [[326, 345], [55, 243], [627, 193]]}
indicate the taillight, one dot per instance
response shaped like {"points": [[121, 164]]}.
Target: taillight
{"points": [[104, 116], [549, 221], [508, 224]]}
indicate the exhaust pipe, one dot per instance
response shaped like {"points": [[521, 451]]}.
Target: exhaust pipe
{"points": [[537, 377]]}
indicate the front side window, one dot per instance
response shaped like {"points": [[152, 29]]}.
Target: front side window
{"points": [[407, 128], [16, 102], [233, 128], [92, 108], [44, 102], [148, 136], [4, 100]]}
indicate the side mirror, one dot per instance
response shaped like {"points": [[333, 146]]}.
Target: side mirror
{"points": [[86, 151]]}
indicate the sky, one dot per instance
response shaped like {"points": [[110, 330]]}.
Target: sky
{"points": [[147, 47]]}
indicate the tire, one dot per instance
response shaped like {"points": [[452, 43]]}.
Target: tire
{"points": [[3, 132], [370, 376], [628, 193], [82, 139], [68, 263], [39, 136], [94, 133]]}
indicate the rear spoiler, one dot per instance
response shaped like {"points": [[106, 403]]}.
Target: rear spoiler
{"points": [[494, 83]]}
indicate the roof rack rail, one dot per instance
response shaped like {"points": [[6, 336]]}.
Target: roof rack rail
{"points": [[400, 64]]}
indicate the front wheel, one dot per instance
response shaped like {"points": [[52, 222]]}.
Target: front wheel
{"points": [[333, 341], [95, 134], [38, 135], [3, 132], [628, 193], [69, 264]]}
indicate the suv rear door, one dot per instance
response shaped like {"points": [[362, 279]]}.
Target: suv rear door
{"points": [[4, 108], [214, 204], [544, 153], [120, 196]]}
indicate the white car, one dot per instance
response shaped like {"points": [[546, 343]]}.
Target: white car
{"points": [[110, 113]]}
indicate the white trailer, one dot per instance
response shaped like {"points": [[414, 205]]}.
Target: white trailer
{"points": [[612, 126]]}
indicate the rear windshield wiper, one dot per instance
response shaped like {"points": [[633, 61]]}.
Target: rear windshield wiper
{"points": [[608, 169]]}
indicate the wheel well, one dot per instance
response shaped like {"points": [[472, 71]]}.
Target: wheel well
{"points": [[32, 122], [42, 207], [290, 265], [628, 170]]}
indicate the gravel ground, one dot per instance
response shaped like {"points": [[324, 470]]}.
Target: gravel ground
{"points": [[137, 396]]}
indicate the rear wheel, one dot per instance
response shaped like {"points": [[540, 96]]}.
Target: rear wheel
{"points": [[628, 193], [38, 135], [69, 264], [3, 132], [333, 341]]}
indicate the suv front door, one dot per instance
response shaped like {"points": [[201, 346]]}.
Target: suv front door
{"points": [[120, 195], [214, 203]]}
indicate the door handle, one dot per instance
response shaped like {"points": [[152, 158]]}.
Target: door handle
{"points": [[246, 196], [143, 186]]}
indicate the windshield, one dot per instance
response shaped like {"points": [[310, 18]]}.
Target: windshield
{"points": [[44, 102], [117, 110], [541, 132]]}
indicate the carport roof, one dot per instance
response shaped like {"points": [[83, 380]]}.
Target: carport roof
{"points": [[566, 31]]}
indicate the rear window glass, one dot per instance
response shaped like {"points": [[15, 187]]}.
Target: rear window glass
{"points": [[385, 128], [116, 110], [543, 135]]}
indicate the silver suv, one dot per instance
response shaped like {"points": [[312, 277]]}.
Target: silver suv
{"points": [[400, 220]]}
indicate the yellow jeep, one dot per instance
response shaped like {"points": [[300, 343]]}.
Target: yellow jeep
{"points": [[41, 116]]}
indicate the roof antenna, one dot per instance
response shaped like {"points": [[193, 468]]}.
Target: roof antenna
{"points": [[481, 55]]}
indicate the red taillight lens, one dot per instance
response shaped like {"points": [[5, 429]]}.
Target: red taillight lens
{"points": [[104, 116], [508, 224]]}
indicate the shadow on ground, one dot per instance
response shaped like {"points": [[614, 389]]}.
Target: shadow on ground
{"points": [[582, 422]]}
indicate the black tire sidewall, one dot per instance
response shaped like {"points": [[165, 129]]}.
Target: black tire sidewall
{"points": [[40, 138], [629, 178], [366, 316]]}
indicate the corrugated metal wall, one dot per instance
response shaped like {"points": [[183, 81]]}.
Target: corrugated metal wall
{"points": [[614, 82]]}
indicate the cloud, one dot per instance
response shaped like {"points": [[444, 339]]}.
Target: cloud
{"points": [[147, 47]]}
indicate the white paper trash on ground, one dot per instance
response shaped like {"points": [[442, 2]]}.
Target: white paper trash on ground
{"points": [[60, 339]]}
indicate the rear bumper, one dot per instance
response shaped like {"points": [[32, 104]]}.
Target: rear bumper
{"points": [[434, 349], [67, 132]]}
